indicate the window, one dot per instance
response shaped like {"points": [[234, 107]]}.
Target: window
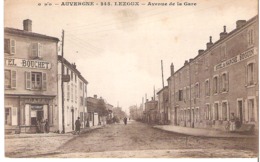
{"points": [[250, 73], [207, 115], [251, 110], [224, 82], [184, 94], [215, 85], [224, 111], [197, 90], [180, 95], [36, 50], [36, 80], [71, 92], [197, 115], [216, 111], [188, 93], [90, 117], [250, 37], [10, 79], [207, 88], [68, 92], [8, 116], [9, 46]]}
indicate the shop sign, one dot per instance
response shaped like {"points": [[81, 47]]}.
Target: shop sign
{"points": [[245, 55], [34, 64]]}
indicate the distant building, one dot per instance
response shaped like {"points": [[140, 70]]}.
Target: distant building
{"points": [[163, 106], [30, 79], [151, 111], [219, 82], [75, 96]]}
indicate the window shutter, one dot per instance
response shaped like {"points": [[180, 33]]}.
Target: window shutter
{"points": [[7, 46], [13, 79], [34, 49], [45, 112], [245, 74], [14, 115], [13, 46], [39, 50], [27, 114], [246, 111], [44, 81], [254, 73], [227, 81], [28, 80]]}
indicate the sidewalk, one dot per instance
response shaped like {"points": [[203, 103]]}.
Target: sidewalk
{"points": [[201, 132]]}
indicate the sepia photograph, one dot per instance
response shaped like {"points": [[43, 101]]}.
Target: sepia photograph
{"points": [[131, 79]]}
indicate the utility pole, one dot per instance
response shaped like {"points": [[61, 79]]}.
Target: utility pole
{"points": [[62, 87], [164, 114], [162, 74]]}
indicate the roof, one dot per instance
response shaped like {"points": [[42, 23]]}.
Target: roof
{"points": [[162, 89], [219, 41], [27, 33], [66, 62]]}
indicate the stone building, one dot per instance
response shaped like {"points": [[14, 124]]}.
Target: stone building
{"points": [[30, 67], [219, 82], [75, 96], [151, 111], [163, 115]]}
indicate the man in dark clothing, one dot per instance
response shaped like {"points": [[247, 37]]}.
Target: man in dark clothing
{"points": [[125, 120], [77, 124]]}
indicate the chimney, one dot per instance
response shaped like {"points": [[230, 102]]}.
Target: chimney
{"points": [[27, 25], [186, 62], [152, 98], [240, 23], [95, 96], [147, 100], [209, 44], [223, 34], [172, 69], [200, 51], [191, 60]]}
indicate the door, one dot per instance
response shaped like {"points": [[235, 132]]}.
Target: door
{"points": [[240, 111], [192, 118], [72, 115]]}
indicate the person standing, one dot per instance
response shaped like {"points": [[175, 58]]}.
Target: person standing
{"points": [[47, 128], [77, 124], [125, 120]]}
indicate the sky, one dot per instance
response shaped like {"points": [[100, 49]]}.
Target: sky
{"points": [[118, 49]]}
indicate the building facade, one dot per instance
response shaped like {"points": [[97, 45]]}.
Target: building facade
{"points": [[30, 65], [163, 115], [151, 111], [74, 98], [220, 83]]}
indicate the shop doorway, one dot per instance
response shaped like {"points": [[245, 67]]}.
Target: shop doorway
{"points": [[36, 114]]}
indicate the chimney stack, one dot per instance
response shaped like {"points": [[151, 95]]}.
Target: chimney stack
{"points": [[186, 62], [95, 96], [152, 98], [27, 25], [209, 44], [172, 69], [223, 34], [240, 23], [200, 51]]}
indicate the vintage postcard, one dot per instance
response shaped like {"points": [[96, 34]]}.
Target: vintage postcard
{"points": [[131, 79]]}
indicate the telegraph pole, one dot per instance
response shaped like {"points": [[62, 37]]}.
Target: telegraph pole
{"points": [[62, 87], [164, 114], [162, 74]]}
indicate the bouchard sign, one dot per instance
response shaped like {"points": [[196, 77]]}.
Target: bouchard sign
{"points": [[247, 54], [34, 64]]}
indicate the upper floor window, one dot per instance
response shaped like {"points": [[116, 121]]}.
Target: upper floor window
{"points": [[224, 111], [180, 95], [10, 79], [250, 37], [216, 111], [224, 82], [250, 73], [215, 85], [9, 46], [197, 90], [207, 88], [36, 81], [36, 50]]}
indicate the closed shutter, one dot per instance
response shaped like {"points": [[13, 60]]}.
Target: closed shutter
{"points": [[45, 112], [27, 114], [13, 46], [254, 73], [34, 49], [28, 80], [7, 46], [246, 111], [246, 75], [13, 79], [44, 81], [14, 116], [39, 50]]}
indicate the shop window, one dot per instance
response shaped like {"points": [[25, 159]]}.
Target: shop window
{"points": [[90, 117], [251, 110], [36, 81], [36, 50], [37, 114], [224, 111], [9, 46], [224, 82], [8, 116], [250, 73], [215, 85]]}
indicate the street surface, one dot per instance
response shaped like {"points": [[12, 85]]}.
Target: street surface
{"points": [[141, 140]]}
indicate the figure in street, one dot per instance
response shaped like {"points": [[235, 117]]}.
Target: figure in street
{"points": [[125, 120], [47, 128], [77, 125]]}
